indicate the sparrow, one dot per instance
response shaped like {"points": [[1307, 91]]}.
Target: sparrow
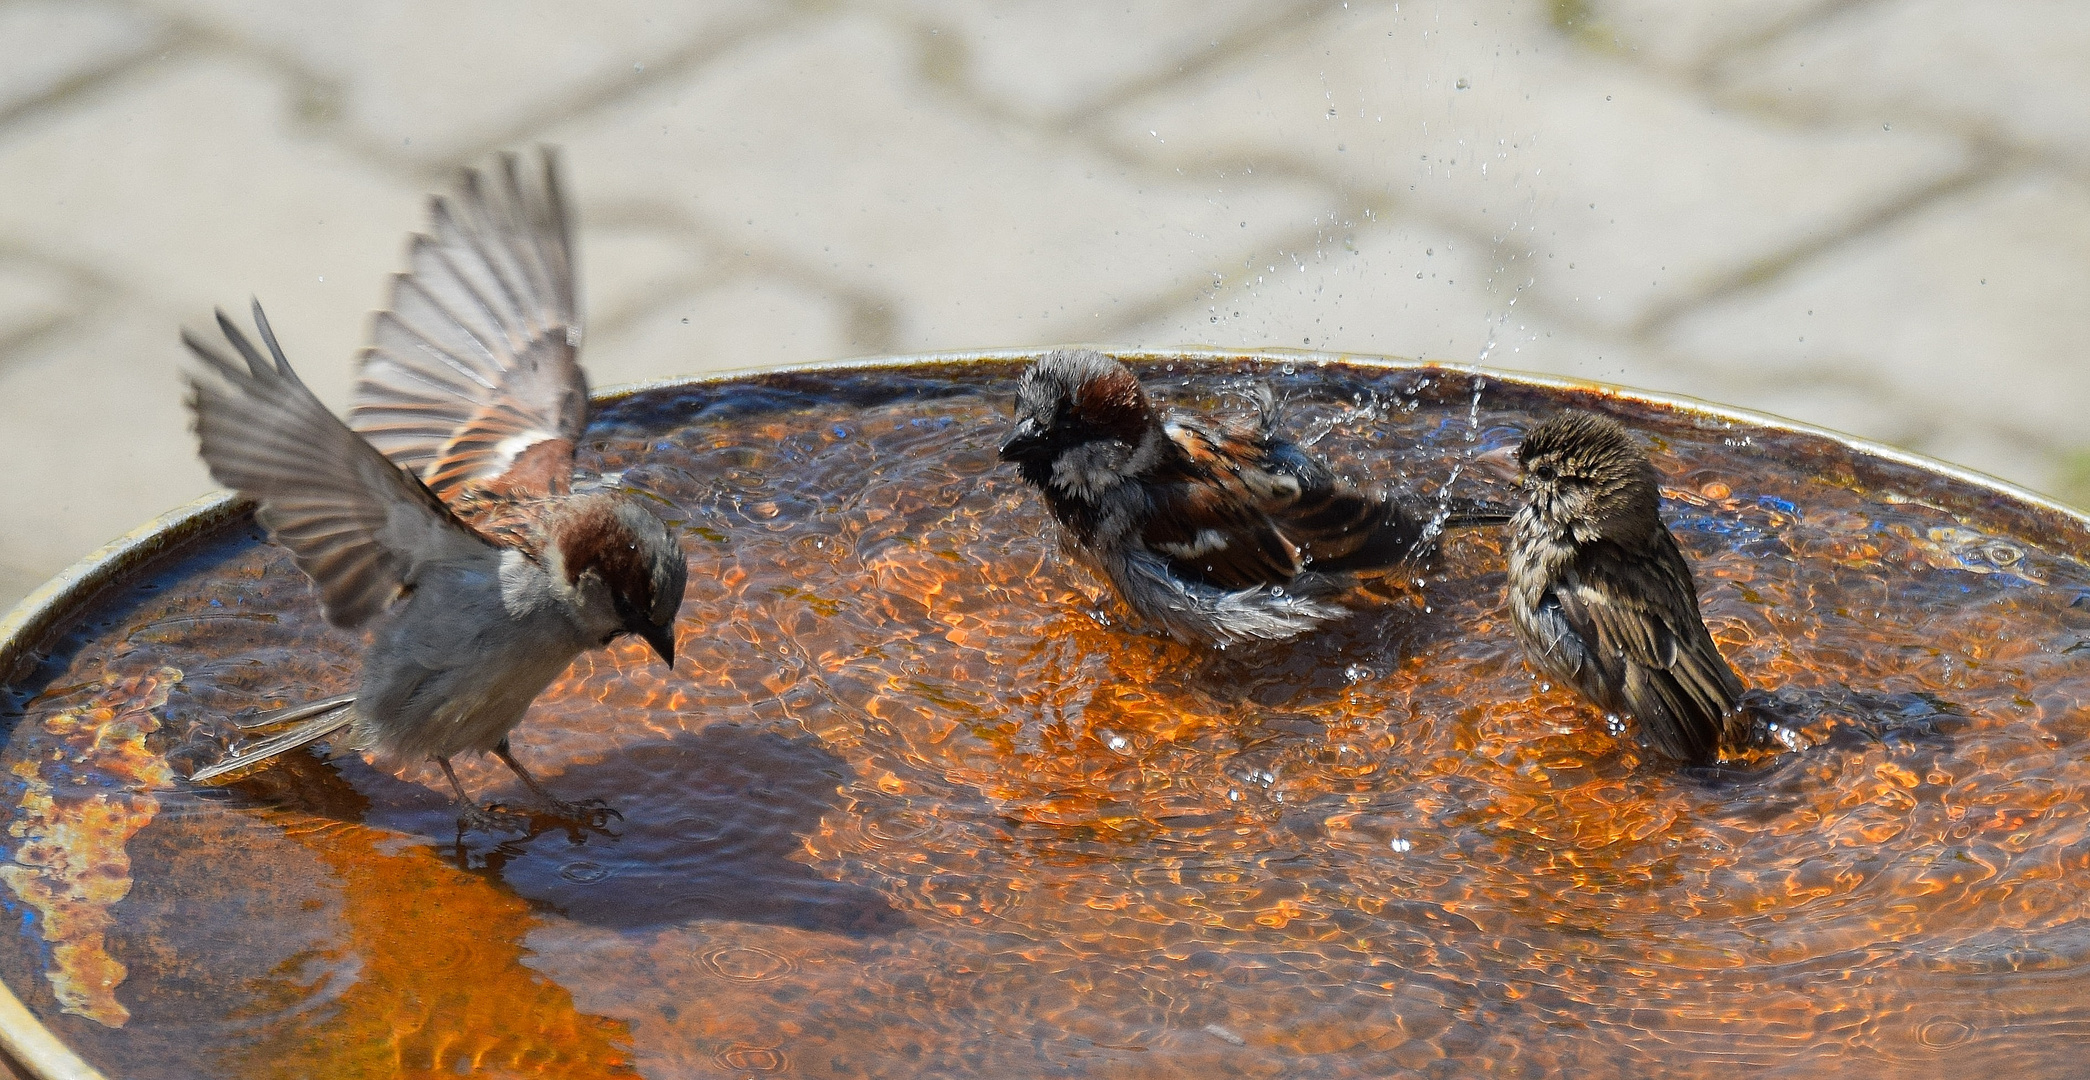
{"points": [[446, 518], [1219, 531], [1600, 594]]}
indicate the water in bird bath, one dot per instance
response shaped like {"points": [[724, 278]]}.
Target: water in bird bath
{"points": [[916, 803]]}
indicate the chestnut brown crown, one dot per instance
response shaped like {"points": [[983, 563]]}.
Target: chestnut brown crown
{"points": [[1073, 397], [631, 551]]}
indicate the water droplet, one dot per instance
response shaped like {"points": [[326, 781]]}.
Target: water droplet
{"points": [[747, 963], [583, 872], [694, 830], [1940, 1034], [747, 1059]]}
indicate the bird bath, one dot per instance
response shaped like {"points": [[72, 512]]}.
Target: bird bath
{"points": [[915, 803]]}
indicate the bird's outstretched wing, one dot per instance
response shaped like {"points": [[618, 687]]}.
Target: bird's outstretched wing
{"points": [[357, 525], [1641, 635], [472, 377]]}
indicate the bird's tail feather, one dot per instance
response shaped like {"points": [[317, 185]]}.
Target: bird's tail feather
{"points": [[319, 720], [295, 713], [1408, 529], [1471, 513]]}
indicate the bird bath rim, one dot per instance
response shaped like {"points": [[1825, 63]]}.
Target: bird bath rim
{"points": [[32, 1047]]}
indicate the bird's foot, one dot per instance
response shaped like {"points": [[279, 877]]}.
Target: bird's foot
{"points": [[491, 819], [592, 813]]}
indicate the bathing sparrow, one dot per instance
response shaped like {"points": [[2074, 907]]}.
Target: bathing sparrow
{"points": [[1600, 594], [1220, 532], [446, 519]]}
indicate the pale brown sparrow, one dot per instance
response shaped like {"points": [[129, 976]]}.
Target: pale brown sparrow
{"points": [[1601, 595]]}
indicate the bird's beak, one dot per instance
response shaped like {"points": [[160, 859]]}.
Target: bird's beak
{"points": [[1500, 463], [1023, 443], [662, 638]]}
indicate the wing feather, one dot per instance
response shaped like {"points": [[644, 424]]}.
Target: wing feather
{"points": [[357, 525], [476, 360], [1646, 641], [1208, 514], [1285, 510]]}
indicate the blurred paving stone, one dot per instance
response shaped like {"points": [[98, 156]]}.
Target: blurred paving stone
{"points": [[1049, 58], [17, 582], [2021, 67], [627, 270], [742, 322], [2073, 476], [437, 80], [825, 149], [104, 449], [205, 194], [1680, 34], [1399, 287], [1623, 195], [50, 43], [34, 297], [1968, 318]]}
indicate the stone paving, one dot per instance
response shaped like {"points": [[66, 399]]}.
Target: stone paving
{"points": [[1868, 214]]}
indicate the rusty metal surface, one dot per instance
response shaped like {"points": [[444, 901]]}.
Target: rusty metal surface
{"points": [[1980, 504]]}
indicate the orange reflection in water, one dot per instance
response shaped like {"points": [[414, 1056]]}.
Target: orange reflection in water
{"points": [[917, 802]]}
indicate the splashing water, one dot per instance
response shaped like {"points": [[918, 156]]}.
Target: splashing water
{"points": [[918, 802]]}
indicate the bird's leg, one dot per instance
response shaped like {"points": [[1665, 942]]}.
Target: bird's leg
{"points": [[471, 815], [593, 812]]}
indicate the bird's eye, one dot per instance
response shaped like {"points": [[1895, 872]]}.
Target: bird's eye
{"points": [[1545, 473]]}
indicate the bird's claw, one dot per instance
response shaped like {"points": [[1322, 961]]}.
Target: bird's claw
{"points": [[593, 813], [492, 819]]}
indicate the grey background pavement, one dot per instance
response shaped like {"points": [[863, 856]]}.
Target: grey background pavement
{"points": [[1868, 214]]}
